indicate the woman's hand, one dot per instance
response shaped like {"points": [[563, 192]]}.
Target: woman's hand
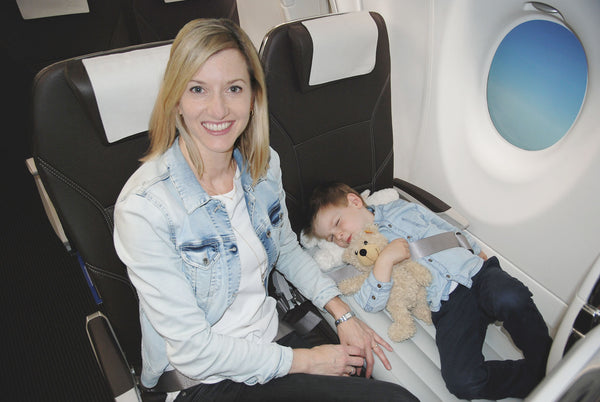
{"points": [[354, 332], [357, 333], [327, 360]]}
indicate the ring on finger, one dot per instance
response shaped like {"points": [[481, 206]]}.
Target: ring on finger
{"points": [[375, 346], [352, 371]]}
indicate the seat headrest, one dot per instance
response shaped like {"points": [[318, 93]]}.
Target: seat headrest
{"points": [[32, 9], [125, 86], [334, 47]]}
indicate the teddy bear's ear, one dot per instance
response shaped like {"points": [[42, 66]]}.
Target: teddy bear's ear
{"points": [[371, 228]]}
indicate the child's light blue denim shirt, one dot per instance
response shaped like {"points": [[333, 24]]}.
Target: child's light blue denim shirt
{"points": [[182, 258], [414, 222]]}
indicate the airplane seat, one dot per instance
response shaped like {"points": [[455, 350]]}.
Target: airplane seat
{"points": [[328, 82], [159, 20], [344, 110], [90, 119], [35, 36]]}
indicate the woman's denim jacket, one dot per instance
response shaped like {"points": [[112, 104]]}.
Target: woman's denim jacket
{"points": [[414, 222], [182, 258]]}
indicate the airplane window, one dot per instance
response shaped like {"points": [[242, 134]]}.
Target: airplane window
{"points": [[536, 84]]}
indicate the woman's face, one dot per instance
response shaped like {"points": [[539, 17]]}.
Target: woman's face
{"points": [[216, 103]]}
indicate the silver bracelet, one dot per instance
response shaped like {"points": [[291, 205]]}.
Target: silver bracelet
{"points": [[345, 317]]}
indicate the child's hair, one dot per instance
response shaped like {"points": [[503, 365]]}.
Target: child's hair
{"points": [[325, 195]]}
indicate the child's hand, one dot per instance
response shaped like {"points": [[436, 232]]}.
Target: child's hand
{"points": [[396, 251]]}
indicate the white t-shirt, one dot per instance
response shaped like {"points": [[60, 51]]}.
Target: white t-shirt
{"points": [[253, 314]]}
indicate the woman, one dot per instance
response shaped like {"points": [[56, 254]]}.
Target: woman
{"points": [[201, 224]]}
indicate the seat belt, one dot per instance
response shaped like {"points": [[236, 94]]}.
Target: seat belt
{"points": [[436, 243], [288, 302], [285, 299]]}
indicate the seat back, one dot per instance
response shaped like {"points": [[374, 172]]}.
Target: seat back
{"points": [[34, 36], [38, 40], [83, 162], [328, 81], [158, 20]]}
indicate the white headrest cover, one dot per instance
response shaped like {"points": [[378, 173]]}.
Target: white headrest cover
{"points": [[126, 86], [31, 9], [343, 46]]}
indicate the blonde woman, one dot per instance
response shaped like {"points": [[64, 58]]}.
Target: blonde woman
{"points": [[201, 224]]}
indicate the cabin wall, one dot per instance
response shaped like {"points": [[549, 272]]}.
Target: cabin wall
{"points": [[536, 209], [258, 19], [409, 25]]}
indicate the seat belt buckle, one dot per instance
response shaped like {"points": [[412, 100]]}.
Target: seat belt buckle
{"points": [[436, 243], [462, 240]]}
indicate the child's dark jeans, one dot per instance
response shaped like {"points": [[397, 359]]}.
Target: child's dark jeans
{"points": [[461, 326]]}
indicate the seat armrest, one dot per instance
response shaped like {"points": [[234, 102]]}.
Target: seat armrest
{"points": [[111, 359], [416, 194]]}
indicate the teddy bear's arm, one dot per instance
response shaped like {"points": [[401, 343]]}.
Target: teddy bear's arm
{"points": [[352, 285]]}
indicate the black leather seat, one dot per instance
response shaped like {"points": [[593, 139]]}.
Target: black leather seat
{"points": [[38, 42], [338, 130], [157, 20], [83, 173]]}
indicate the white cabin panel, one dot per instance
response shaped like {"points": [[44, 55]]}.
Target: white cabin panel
{"points": [[257, 17], [409, 25], [536, 209]]}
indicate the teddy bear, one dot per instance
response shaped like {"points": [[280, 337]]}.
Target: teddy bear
{"points": [[408, 297]]}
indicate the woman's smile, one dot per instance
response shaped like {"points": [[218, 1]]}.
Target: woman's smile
{"points": [[217, 128]]}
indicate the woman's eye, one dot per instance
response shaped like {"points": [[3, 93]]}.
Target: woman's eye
{"points": [[235, 89], [197, 89]]}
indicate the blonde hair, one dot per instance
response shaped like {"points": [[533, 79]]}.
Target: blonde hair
{"points": [[195, 43]]}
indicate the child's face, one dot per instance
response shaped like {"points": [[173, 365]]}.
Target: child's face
{"points": [[339, 223]]}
